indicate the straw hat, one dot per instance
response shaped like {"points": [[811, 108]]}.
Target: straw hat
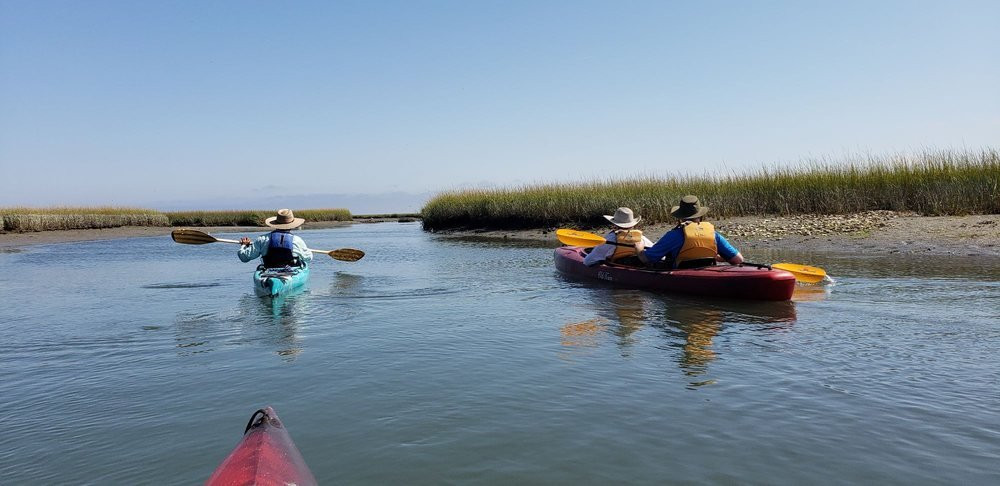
{"points": [[690, 208], [284, 220], [623, 218]]}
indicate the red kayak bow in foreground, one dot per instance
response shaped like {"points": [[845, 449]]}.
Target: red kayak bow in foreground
{"points": [[265, 456]]}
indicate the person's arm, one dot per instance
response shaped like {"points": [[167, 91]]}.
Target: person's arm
{"points": [[670, 242], [251, 249], [727, 251], [601, 252], [299, 248]]}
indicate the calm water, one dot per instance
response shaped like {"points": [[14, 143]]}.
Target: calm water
{"points": [[433, 361]]}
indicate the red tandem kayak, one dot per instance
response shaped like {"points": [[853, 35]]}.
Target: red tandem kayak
{"points": [[739, 282], [265, 456]]}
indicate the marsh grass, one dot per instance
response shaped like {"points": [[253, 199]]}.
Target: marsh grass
{"points": [[250, 218], [930, 183], [28, 219], [387, 216]]}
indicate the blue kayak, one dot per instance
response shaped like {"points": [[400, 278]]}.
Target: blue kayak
{"points": [[271, 282]]}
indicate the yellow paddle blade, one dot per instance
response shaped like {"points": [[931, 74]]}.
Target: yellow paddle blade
{"points": [[192, 237], [346, 254], [578, 238], [803, 273]]}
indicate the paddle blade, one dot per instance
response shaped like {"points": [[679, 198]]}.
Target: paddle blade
{"points": [[192, 237], [579, 238], [803, 273], [347, 254]]}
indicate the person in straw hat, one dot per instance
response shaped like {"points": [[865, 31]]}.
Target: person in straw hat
{"points": [[626, 233], [279, 248], [693, 243]]}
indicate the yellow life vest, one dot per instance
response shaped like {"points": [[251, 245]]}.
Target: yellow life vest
{"points": [[628, 237], [699, 242]]}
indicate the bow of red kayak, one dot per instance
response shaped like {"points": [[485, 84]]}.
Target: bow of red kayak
{"points": [[265, 456]]}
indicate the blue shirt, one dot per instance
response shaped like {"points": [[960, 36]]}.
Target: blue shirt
{"points": [[670, 245]]}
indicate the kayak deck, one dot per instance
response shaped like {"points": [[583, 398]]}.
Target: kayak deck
{"points": [[729, 281], [265, 456], [278, 281]]}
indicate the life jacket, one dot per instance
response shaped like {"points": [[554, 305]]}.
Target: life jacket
{"points": [[628, 237], [699, 245], [279, 250]]}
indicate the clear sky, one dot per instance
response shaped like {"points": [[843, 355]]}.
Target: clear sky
{"points": [[154, 103]]}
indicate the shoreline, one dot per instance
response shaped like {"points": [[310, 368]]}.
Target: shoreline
{"points": [[10, 242], [868, 233]]}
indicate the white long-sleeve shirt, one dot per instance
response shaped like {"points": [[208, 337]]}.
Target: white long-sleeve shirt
{"points": [[258, 248], [601, 253]]}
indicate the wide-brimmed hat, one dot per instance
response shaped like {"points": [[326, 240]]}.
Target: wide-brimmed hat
{"points": [[690, 208], [284, 220], [623, 218]]}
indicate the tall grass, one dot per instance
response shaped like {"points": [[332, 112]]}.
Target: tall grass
{"points": [[249, 218], [27, 219], [932, 183]]}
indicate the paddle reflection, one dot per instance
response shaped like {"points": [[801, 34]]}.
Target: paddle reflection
{"points": [[583, 333], [811, 293], [346, 284]]}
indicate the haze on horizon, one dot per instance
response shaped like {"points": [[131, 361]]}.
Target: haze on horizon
{"points": [[171, 104]]}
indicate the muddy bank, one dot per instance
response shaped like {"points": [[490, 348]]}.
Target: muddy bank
{"points": [[872, 232]]}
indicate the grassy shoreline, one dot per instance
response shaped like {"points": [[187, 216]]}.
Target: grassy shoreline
{"points": [[930, 183], [27, 219]]}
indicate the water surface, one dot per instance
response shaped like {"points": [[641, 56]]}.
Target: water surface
{"points": [[434, 360]]}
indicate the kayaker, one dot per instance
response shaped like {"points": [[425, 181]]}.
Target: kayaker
{"points": [[625, 221], [692, 243], [279, 248]]}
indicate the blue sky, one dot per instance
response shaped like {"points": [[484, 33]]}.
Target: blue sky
{"points": [[218, 103]]}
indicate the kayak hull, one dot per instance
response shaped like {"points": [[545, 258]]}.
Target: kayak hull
{"points": [[265, 456], [727, 281], [272, 283]]}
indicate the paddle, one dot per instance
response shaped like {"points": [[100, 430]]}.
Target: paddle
{"points": [[584, 239], [802, 273], [195, 237]]}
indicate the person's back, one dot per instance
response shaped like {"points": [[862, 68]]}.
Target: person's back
{"points": [[693, 242], [278, 248], [625, 221]]}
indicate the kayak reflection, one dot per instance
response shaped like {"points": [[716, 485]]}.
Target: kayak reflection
{"points": [[274, 322], [689, 324], [279, 321]]}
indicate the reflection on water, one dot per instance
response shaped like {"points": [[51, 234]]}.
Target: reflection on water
{"points": [[582, 333], [273, 322], [699, 326], [478, 363], [346, 283], [812, 293], [197, 285], [630, 312], [689, 324]]}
